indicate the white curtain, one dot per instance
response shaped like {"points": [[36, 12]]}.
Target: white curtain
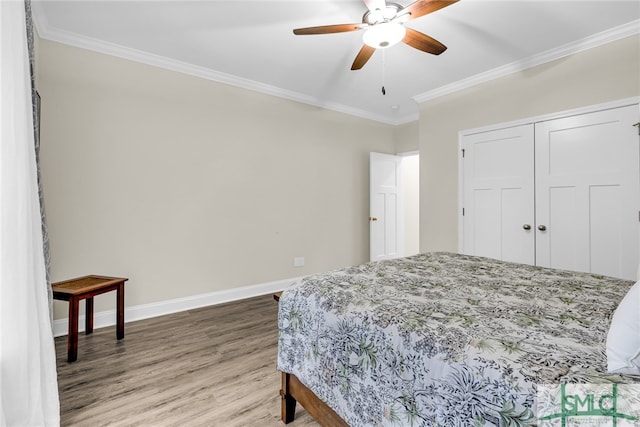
{"points": [[28, 379]]}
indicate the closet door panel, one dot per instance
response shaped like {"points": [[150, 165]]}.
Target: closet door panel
{"points": [[565, 241], [498, 194], [606, 230], [588, 193]]}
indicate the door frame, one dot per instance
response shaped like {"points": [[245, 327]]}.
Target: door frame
{"points": [[530, 120]]}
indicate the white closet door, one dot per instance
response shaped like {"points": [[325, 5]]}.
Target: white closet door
{"points": [[588, 193], [498, 194]]}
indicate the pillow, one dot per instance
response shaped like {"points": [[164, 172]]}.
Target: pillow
{"points": [[623, 339]]}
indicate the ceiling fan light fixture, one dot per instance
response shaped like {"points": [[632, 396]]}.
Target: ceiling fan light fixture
{"points": [[381, 36]]}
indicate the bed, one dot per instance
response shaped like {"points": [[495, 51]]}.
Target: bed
{"points": [[441, 339]]}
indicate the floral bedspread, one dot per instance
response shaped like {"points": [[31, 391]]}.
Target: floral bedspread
{"points": [[442, 339]]}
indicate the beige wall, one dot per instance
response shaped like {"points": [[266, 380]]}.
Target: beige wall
{"points": [[406, 137], [188, 186], [606, 73]]}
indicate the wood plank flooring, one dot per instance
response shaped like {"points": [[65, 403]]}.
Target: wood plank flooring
{"points": [[213, 366]]}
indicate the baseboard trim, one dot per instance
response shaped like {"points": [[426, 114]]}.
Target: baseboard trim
{"points": [[145, 311]]}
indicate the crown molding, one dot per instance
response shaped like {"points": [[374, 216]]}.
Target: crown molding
{"points": [[45, 31], [613, 34]]}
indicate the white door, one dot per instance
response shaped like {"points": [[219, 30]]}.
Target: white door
{"points": [[386, 207], [588, 193], [498, 194]]}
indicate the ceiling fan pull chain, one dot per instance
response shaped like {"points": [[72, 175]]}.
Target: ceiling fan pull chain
{"points": [[384, 91]]}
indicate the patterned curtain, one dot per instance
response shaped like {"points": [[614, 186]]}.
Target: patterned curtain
{"points": [[36, 131]]}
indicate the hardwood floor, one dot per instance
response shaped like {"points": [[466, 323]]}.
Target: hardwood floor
{"points": [[213, 366]]}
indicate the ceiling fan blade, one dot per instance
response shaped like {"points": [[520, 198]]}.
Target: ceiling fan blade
{"points": [[423, 42], [362, 57], [424, 7], [375, 4], [327, 29]]}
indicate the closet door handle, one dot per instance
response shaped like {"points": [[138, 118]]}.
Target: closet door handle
{"points": [[526, 227], [542, 227]]}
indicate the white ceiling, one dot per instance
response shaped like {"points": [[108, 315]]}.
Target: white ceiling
{"points": [[250, 44]]}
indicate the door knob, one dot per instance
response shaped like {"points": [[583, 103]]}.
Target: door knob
{"points": [[542, 227], [373, 218], [526, 227]]}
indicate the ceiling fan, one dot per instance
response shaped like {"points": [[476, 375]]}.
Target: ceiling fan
{"points": [[384, 27]]}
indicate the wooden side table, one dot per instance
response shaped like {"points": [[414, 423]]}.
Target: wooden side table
{"points": [[86, 288]]}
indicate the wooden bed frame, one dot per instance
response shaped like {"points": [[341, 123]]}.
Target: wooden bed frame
{"points": [[293, 391]]}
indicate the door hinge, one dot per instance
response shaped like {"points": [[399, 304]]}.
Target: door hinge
{"points": [[638, 126], [463, 212], [463, 153]]}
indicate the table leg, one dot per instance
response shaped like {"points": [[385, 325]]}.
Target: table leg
{"points": [[120, 312], [88, 316], [72, 339]]}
